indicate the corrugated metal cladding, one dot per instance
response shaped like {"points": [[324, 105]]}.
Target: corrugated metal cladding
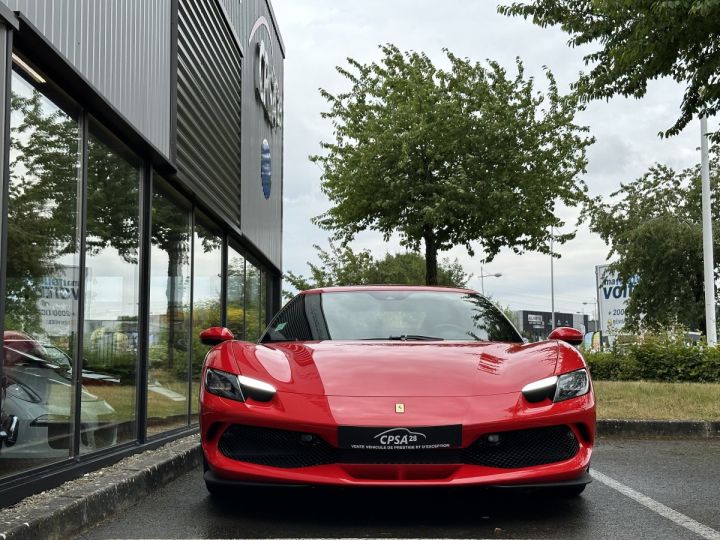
{"points": [[208, 106], [122, 47], [261, 216]]}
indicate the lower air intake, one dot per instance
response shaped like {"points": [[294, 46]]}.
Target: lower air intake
{"points": [[294, 449]]}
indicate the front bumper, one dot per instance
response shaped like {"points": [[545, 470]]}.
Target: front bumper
{"points": [[321, 417], [213, 479]]}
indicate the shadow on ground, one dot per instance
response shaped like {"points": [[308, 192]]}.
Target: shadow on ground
{"points": [[395, 512]]}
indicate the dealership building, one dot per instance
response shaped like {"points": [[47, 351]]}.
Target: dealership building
{"points": [[142, 180], [537, 325]]}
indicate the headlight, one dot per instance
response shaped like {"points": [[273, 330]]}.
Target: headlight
{"points": [[573, 384], [237, 387], [558, 388]]}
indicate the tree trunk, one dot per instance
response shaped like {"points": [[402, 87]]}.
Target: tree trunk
{"points": [[431, 267], [171, 293]]}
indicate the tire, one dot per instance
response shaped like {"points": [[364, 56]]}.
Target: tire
{"points": [[569, 492], [216, 491]]}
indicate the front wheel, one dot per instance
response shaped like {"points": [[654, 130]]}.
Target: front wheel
{"points": [[216, 491], [569, 492]]}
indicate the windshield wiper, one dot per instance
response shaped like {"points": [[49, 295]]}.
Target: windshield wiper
{"points": [[414, 337]]}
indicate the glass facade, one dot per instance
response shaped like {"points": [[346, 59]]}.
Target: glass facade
{"points": [[246, 307], [207, 293], [236, 293], [252, 302], [110, 328], [42, 285], [104, 307], [169, 335]]}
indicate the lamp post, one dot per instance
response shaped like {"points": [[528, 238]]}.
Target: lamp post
{"points": [[482, 279], [552, 279], [708, 263], [594, 304]]}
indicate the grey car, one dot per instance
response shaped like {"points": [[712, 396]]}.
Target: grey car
{"points": [[39, 393]]}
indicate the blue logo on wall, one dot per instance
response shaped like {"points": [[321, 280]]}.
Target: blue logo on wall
{"points": [[265, 168]]}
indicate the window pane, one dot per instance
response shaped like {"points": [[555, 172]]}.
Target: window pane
{"points": [[252, 303], [168, 378], [207, 282], [263, 301], [111, 297], [42, 278], [236, 293]]}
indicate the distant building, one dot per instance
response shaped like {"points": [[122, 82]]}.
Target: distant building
{"points": [[537, 325]]}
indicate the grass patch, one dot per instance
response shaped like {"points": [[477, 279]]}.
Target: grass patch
{"points": [[638, 400], [643, 400]]}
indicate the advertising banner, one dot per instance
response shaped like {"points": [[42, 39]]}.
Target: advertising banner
{"points": [[58, 300], [613, 296]]}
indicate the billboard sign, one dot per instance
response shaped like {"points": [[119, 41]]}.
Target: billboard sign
{"points": [[613, 296], [58, 301]]}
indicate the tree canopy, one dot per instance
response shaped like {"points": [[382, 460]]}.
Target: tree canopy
{"points": [[450, 156], [654, 226], [342, 266], [641, 40]]}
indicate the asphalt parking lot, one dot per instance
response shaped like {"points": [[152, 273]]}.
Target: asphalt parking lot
{"points": [[643, 489]]}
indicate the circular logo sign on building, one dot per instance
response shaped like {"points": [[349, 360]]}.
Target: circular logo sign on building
{"points": [[265, 168]]}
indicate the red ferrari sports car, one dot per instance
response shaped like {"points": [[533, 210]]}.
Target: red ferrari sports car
{"points": [[396, 386]]}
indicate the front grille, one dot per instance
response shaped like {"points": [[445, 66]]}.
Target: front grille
{"points": [[275, 447], [524, 448], [293, 449]]}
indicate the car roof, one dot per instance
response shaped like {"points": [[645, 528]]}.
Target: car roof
{"points": [[355, 288]]}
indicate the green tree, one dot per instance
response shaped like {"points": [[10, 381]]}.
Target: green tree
{"points": [[654, 226], [409, 269], [42, 207], [450, 157], [342, 266], [641, 40]]}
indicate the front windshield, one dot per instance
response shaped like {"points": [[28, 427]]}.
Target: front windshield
{"points": [[414, 315], [34, 354]]}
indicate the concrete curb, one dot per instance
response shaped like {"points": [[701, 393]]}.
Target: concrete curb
{"points": [[686, 429], [82, 503]]}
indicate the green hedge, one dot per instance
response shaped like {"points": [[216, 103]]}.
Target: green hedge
{"points": [[656, 359]]}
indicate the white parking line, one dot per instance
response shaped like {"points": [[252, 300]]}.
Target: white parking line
{"points": [[658, 507]]}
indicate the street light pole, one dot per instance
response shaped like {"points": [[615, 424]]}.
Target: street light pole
{"points": [[595, 310], [482, 279], [708, 263], [552, 279]]}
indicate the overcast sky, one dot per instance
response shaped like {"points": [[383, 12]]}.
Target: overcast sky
{"points": [[321, 34]]}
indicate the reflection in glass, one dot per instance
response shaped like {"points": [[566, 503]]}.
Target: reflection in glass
{"points": [[111, 297], [207, 284], [252, 303], [42, 278], [263, 301], [236, 293], [168, 380]]}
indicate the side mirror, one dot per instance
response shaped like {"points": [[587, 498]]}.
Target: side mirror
{"points": [[215, 335], [567, 334]]}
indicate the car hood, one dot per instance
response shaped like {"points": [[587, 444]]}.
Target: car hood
{"points": [[371, 368], [48, 384]]}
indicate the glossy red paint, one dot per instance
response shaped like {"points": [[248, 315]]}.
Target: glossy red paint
{"points": [[396, 368], [567, 334], [323, 385]]}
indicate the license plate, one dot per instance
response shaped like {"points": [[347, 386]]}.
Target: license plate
{"points": [[400, 438]]}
